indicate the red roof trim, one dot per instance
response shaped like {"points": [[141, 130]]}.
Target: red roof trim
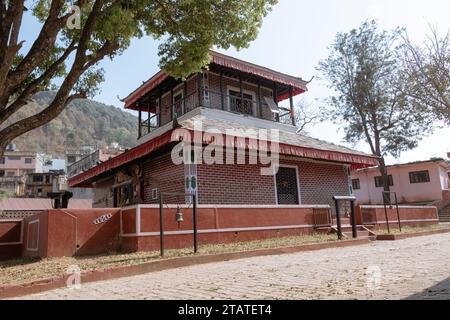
{"points": [[124, 158], [152, 83], [298, 84], [233, 63], [152, 145]]}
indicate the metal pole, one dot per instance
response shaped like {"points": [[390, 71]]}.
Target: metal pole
{"points": [[338, 220], [398, 213], [194, 199], [161, 224], [353, 219], [385, 212]]}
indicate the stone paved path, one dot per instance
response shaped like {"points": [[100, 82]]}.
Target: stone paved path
{"points": [[413, 268]]}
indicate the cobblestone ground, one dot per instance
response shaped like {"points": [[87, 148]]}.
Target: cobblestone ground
{"points": [[416, 268]]}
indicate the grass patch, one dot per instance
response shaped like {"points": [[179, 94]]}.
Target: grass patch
{"points": [[22, 271], [395, 230]]}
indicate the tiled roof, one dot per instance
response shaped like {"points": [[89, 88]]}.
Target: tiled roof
{"points": [[299, 85], [290, 142], [39, 204], [223, 121]]}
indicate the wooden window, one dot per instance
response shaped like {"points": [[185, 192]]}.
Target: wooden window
{"points": [[286, 184], [356, 184], [237, 104], [178, 105], [379, 181], [419, 177]]}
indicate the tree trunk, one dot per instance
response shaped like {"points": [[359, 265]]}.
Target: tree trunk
{"points": [[385, 181]]}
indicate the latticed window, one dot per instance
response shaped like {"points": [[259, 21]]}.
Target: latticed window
{"points": [[287, 186], [237, 104]]}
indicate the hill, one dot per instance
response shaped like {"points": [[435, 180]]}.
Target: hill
{"points": [[83, 122]]}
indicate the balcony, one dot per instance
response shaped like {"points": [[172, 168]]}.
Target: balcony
{"points": [[234, 102]]}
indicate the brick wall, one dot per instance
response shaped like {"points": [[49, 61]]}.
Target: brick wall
{"points": [[243, 184], [162, 174], [236, 184], [319, 182]]}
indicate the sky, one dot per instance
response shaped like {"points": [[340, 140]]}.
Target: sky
{"points": [[295, 36]]}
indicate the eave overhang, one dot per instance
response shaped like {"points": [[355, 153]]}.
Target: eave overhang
{"points": [[85, 179]]}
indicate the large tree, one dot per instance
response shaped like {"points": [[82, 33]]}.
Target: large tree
{"points": [[75, 35], [365, 75], [428, 70]]}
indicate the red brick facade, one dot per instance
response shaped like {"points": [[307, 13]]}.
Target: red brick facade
{"points": [[161, 174], [244, 184]]}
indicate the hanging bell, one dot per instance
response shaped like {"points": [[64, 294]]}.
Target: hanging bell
{"points": [[179, 216]]}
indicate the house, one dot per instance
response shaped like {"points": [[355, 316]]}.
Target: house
{"points": [[88, 161], [39, 185], [93, 159], [420, 182], [14, 166], [12, 185], [15, 163], [230, 98], [76, 154]]}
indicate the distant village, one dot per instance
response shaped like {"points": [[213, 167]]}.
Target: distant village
{"points": [[35, 177]]}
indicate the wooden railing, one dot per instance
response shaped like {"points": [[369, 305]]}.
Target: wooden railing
{"points": [[256, 107]]}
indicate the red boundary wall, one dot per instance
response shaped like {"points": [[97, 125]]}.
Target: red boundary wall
{"points": [[412, 216], [70, 232], [11, 238], [216, 224]]}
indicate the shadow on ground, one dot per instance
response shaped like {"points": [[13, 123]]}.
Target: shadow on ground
{"points": [[440, 291]]}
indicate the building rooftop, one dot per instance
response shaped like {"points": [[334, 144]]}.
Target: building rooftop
{"points": [[290, 142], [38, 204], [298, 84], [439, 161]]}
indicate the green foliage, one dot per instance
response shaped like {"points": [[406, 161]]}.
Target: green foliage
{"points": [[187, 28], [365, 74], [83, 122]]}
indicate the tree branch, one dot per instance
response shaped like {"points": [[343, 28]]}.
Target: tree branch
{"points": [[41, 49], [32, 88]]}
